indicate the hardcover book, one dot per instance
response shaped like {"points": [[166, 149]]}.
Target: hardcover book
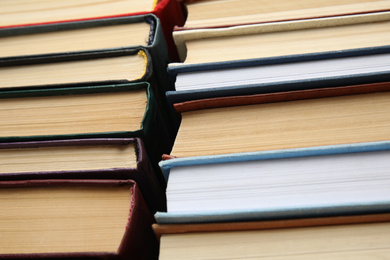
{"points": [[295, 198], [97, 158], [281, 73], [90, 36], [88, 68], [283, 120], [100, 219], [215, 13], [262, 40], [124, 110], [170, 12], [334, 241], [322, 181], [78, 69], [78, 47]]}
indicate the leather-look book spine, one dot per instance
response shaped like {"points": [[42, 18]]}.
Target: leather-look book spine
{"points": [[138, 240], [162, 229], [171, 13]]}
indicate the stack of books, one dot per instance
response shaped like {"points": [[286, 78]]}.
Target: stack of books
{"points": [[284, 143], [84, 124], [197, 129]]}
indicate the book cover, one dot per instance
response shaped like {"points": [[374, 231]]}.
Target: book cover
{"points": [[100, 219], [96, 158], [183, 228]]}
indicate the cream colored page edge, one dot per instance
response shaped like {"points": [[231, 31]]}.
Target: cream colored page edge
{"points": [[293, 124], [360, 241], [181, 37], [129, 68], [63, 219], [205, 19], [77, 39], [51, 11], [73, 114], [68, 158]]}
